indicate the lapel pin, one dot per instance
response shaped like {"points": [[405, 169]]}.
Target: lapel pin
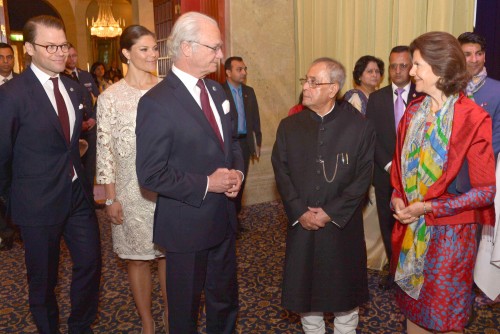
{"points": [[71, 89], [214, 89], [414, 95]]}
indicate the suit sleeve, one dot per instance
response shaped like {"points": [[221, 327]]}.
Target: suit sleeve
{"points": [[256, 119], [342, 208], [292, 202], [9, 127], [155, 144], [373, 111]]}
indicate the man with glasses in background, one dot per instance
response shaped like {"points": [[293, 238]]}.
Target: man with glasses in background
{"points": [[44, 182], [323, 164], [385, 108]]}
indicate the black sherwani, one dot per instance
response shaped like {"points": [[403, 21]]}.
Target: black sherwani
{"points": [[325, 270]]}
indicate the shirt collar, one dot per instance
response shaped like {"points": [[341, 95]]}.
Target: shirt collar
{"points": [[41, 75], [406, 88], [234, 88], [187, 79], [9, 77]]}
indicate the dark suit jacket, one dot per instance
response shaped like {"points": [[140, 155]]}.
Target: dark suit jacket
{"points": [[380, 110], [87, 82], [251, 113], [35, 158], [176, 150]]}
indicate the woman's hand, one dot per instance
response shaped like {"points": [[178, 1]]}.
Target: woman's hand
{"points": [[409, 214], [115, 213]]}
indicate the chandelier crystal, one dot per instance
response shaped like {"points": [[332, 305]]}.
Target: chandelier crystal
{"points": [[106, 26]]}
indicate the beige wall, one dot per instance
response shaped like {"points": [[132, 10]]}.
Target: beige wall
{"points": [[262, 32]]}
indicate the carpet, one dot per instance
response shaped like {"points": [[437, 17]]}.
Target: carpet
{"points": [[261, 253]]}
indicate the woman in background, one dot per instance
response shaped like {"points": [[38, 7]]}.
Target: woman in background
{"points": [[130, 208], [434, 240], [98, 70], [367, 75]]}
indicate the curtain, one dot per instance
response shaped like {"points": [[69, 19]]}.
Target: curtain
{"points": [[348, 29]]}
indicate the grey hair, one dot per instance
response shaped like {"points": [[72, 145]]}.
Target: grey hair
{"points": [[335, 69], [186, 28]]}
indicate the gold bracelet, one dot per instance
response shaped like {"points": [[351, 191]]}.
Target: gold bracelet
{"points": [[425, 211]]}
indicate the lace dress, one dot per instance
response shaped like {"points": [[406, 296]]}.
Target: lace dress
{"points": [[116, 151]]}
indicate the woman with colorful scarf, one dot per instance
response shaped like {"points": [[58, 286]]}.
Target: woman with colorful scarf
{"points": [[434, 240]]}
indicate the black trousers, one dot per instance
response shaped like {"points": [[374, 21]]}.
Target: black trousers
{"points": [[89, 158], [246, 159], [42, 248], [385, 218], [212, 271]]}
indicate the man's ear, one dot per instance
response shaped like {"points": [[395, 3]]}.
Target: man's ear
{"points": [[29, 48], [334, 89], [186, 49]]}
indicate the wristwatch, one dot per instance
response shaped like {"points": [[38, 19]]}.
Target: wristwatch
{"points": [[109, 201]]}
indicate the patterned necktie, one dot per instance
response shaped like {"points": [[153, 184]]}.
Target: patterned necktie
{"points": [[62, 111], [242, 122], [207, 110], [399, 106]]}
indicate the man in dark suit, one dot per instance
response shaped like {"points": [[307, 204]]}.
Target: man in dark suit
{"points": [[323, 163], [6, 74], [245, 111], [43, 180], [89, 133], [186, 153], [385, 108], [6, 63]]}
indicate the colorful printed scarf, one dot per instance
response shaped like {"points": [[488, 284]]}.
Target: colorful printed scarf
{"points": [[476, 83], [423, 157]]}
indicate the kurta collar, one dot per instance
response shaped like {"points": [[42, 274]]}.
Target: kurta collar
{"points": [[329, 115]]}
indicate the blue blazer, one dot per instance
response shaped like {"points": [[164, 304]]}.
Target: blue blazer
{"points": [[176, 150], [35, 158]]}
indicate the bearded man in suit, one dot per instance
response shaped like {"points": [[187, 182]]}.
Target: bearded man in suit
{"points": [[187, 154], [43, 180], [385, 108]]}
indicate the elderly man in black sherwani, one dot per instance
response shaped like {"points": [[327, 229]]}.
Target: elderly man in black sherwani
{"points": [[323, 164]]}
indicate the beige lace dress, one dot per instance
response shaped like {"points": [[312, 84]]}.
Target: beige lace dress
{"points": [[116, 151]]}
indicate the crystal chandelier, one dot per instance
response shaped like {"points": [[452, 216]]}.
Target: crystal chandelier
{"points": [[106, 26]]}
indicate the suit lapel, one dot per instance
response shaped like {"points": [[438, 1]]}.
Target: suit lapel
{"points": [[226, 128], [186, 99], [390, 106], [76, 101], [43, 102]]}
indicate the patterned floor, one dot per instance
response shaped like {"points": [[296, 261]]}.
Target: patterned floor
{"points": [[260, 256]]}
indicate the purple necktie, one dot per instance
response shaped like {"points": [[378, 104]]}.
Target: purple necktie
{"points": [[207, 110], [399, 106]]}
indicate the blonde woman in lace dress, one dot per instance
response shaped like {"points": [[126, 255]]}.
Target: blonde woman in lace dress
{"points": [[130, 208]]}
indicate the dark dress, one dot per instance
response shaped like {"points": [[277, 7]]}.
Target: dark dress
{"points": [[325, 270]]}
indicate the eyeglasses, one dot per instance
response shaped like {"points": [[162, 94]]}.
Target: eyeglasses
{"points": [[215, 49], [313, 84], [53, 48], [401, 66]]}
